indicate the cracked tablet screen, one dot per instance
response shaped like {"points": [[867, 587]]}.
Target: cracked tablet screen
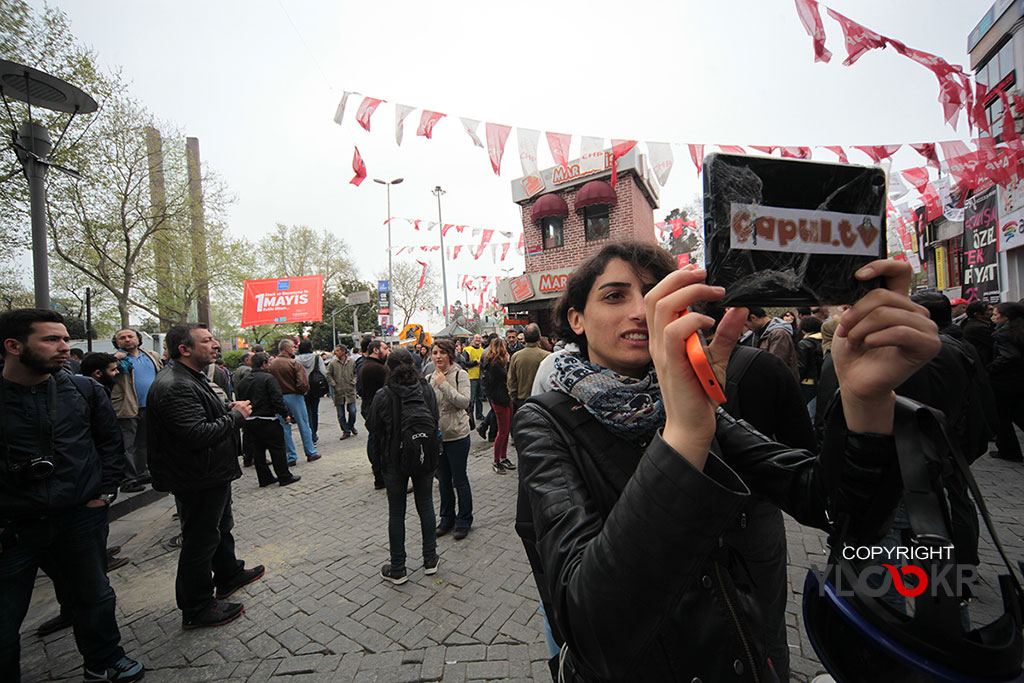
{"points": [[782, 232]]}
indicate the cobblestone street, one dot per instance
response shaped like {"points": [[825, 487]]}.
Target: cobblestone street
{"points": [[322, 612]]}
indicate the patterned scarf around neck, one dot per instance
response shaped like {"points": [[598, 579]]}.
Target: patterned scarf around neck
{"points": [[628, 407]]}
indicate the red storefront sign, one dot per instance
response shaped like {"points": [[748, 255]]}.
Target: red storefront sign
{"points": [[285, 300], [521, 288]]}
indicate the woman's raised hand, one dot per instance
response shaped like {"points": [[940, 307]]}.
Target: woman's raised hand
{"points": [[689, 413], [881, 341]]}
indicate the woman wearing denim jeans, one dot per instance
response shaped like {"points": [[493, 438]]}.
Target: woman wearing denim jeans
{"points": [[451, 385]]}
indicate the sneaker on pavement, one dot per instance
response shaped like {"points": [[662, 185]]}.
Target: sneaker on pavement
{"points": [[354, 431], [174, 542], [395, 575], [508, 464], [442, 530], [497, 467], [217, 614], [123, 670], [430, 566], [242, 578], [461, 533], [58, 623]]}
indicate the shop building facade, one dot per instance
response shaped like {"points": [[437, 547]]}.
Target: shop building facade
{"points": [[569, 214]]}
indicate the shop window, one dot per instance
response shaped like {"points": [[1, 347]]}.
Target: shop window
{"points": [[595, 219], [551, 229]]}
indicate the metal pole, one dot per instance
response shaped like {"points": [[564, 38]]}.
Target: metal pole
{"points": [[334, 334], [88, 319], [437, 191], [35, 137], [355, 322], [389, 241]]}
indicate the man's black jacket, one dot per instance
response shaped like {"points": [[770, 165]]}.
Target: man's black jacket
{"points": [[193, 437], [263, 392], [89, 453], [372, 376]]}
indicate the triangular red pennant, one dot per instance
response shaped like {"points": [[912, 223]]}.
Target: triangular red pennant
{"points": [[697, 154], [365, 111], [810, 17], [359, 167]]}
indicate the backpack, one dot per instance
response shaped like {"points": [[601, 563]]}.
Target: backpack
{"points": [[318, 386], [739, 363], [415, 434], [211, 370]]}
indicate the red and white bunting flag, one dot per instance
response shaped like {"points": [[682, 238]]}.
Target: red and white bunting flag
{"points": [[1009, 125], [878, 152], [401, 111], [470, 126], [980, 114], [423, 273], [697, 154], [962, 163], [359, 167], [455, 251], [993, 163], [497, 134], [428, 120], [558, 143], [591, 154], [839, 152], [763, 149], [1018, 104], [365, 111], [661, 158], [677, 227], [339, 113], [859, 39], [504, 249], [416, 223], [918, 177], [486, 237], [401, 249], [445, 228], [732, 149], [927, 150], [897, 188], [521, 246], [682, 260], [528, 139], [796, 152], [810, 17], [620, 148], [932, 204]]}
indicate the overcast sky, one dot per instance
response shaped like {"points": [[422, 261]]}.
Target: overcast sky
{"points": [[258, 82]]}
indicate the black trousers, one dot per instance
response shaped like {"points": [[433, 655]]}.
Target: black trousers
{"points": [[262, 436], [207, 556]]}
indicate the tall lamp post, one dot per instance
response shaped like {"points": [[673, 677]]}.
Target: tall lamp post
{"points": [[437, 192], [388, 184], [33, 148]]}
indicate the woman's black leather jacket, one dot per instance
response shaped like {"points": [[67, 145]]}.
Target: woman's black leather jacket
{"points": [[628, 555]]}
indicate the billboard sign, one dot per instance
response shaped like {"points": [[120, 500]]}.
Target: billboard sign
{"points": [[284, 300]]}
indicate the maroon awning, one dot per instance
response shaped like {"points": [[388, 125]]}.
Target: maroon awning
{"points": [[549, 205], [594, 193]]}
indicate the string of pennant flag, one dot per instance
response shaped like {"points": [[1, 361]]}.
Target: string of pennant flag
{"points": [[969, 166]]}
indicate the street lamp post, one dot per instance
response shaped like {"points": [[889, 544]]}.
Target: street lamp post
{"points": [[437, 192], [388, 185]]}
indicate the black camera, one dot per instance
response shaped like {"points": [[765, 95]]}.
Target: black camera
{"points": [[33, 469]]}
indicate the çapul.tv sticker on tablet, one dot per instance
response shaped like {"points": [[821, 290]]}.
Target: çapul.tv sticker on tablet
{"points": [[771, 228]]}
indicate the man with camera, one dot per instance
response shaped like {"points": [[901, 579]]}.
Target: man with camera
{"points": [[194, 455], [63, 460]]}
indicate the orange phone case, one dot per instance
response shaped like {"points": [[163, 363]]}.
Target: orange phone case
{"points": [[697, 352]]}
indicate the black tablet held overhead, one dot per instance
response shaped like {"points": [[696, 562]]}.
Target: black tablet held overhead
{"points": [[782, 232]]}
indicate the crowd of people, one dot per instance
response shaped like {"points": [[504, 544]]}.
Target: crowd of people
{"points": [[80, 428]]}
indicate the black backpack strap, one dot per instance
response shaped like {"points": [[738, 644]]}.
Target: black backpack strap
{"points": [[740, 361]]}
